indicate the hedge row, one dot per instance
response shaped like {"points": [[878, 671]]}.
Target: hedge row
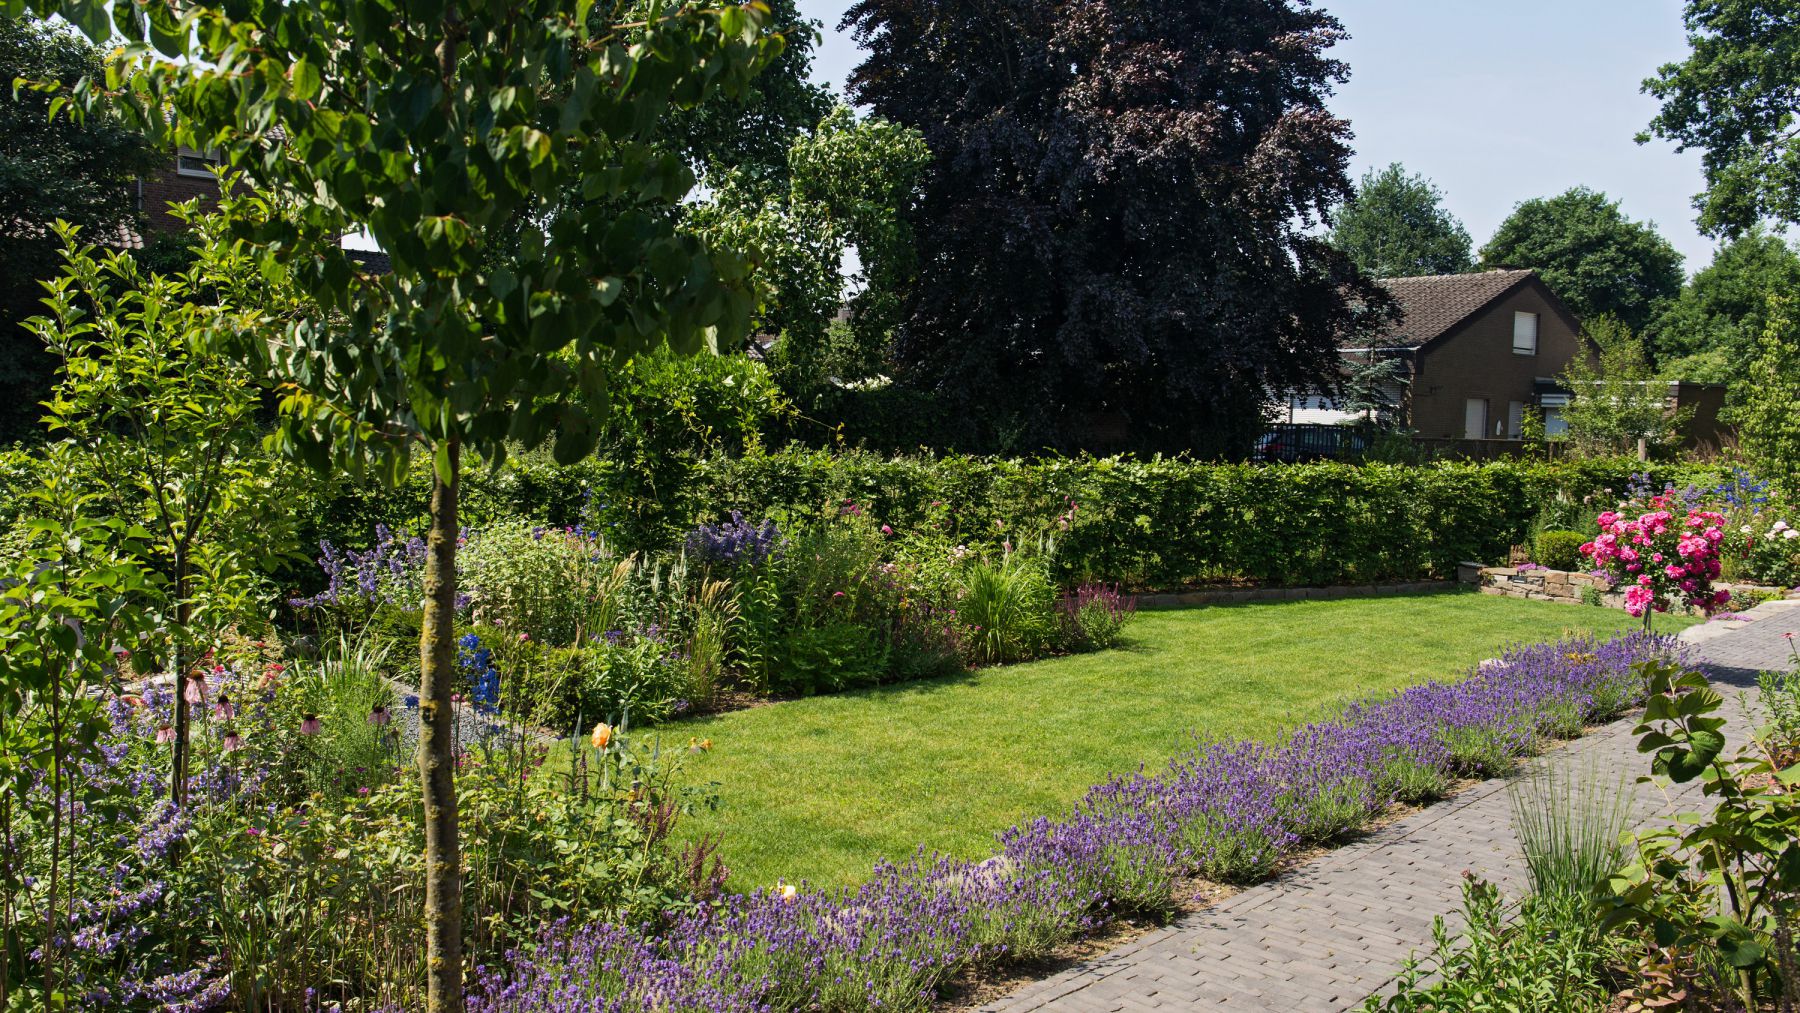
{"points": [[1156, 523]]}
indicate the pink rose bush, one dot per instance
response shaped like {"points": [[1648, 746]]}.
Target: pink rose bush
{"points": [[1659, 558]]}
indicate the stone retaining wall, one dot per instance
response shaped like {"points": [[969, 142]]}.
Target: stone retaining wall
{"points": [[1561, 586]]}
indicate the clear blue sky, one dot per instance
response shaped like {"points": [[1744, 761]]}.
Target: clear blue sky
{"points": [[1495, 102]]}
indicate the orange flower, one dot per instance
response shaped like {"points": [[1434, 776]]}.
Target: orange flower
{"points": [[602, 735]]}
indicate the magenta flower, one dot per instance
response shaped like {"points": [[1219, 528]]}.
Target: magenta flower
{"points": [[224, 710], [379, 716], [165, 734], [309, 725], [232, 742]]}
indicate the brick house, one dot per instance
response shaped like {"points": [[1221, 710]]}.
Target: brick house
{"points": [[188, 176], [1475, 350], [1478, 351]]}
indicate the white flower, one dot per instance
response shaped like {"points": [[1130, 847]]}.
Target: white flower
{"points": [[1745, 529], [1790, 533], [1779, 526]]}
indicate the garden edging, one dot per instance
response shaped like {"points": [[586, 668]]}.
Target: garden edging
{"points": [[1231, 596]]}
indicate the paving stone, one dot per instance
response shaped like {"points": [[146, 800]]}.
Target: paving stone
{"points": [[1326, 936]]}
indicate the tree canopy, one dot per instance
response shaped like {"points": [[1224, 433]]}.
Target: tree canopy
{"points": [[747, 132], [1735, 98], [1711, 329], [50, 169], [457, 134], [1114, 237], [1396, 227], [1600, 262]]}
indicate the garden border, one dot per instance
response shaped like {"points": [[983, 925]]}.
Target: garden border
{"points": [[1232, 596]]}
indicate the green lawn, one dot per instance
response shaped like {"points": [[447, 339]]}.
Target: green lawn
{"points": [[818, 789]]}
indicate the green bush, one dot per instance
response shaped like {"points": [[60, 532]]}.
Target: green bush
{"points": [[1155, 523], [1559, 550]]}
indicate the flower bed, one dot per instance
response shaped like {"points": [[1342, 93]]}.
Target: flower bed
{"points": [[1227, 810]]}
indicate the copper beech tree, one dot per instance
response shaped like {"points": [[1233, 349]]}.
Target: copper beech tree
{"points": [[454, 131]]}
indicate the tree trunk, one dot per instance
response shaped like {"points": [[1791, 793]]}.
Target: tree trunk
{"points": [[437, 752], [183, 615]]}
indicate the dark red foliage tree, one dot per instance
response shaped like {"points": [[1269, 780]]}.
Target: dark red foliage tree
{"points": [[1116, 245]]}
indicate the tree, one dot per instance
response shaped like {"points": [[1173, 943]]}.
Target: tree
{"points": [[1396, 227], [1115, 225], [169, 434], [850, 180], [441, 129], [1711, 330], [50, 170], [747, 133], [1613, 407], [1600, 262], [1763, 408], [1735, 98]]}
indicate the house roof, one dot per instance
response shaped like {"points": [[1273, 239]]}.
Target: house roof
{"points": [[1433, 305]]}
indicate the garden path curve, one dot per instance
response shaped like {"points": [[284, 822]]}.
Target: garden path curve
{"points": [[1329, 934]]}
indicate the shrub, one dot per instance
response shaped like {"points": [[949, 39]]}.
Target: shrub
{"points": [[1558, 550], [555, 585], [1093, 617]]}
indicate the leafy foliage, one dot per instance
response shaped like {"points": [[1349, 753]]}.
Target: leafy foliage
{"points": [[1762, 408], [1710, 331], [1113, 237], [1734, 98], [1715, 890], [1396, 227], [51, 168], [1600, 262], [1621, 400], [849, 181]]}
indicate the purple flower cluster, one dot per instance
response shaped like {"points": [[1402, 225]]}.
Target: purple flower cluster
{"points": [[1228, 810], [370, 575], [735, 542]]}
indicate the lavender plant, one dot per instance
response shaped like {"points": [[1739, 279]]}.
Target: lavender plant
{"points": [[1224, 809]]}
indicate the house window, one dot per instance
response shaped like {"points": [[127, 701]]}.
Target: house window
{"points": [[1515, 419], [1475, 419], [1554, 423], [189, 162], [1525, 330]]}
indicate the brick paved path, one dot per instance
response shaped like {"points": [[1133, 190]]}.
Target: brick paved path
{"points": [[1329, 934]]}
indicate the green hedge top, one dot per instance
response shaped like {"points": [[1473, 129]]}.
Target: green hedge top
{"points": [[1148, 523]]}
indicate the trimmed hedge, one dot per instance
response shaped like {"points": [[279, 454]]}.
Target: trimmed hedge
{"points": [[1151, 523]]}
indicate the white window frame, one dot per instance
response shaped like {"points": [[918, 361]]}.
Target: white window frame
{"points": [[182, 154], [1525, 326]]}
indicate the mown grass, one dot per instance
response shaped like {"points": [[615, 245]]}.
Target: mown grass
{"points": [[819, 789]]}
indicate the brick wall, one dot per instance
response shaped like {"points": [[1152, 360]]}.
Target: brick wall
{"points": [[159, 190], [1477, 361]]}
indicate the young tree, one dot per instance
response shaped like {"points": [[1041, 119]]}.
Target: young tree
{"points": [[1600, 262], [51, 169], [168, 433], [1710, 332], [454, 132], [1766, 408], [1396, 227], [1115, 224], [1622, 404], [1735, 98]]}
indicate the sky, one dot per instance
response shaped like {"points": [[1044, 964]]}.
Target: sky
{"points": [[1495, 103]]}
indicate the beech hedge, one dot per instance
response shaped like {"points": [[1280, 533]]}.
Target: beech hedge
{"points": [[1156, 523]]}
